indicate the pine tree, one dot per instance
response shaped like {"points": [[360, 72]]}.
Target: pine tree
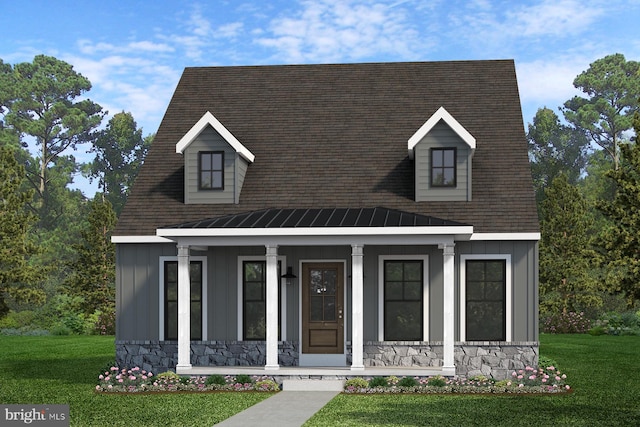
{"points": [[93, 271], [18, 278], [621, 240], [566, 254]]}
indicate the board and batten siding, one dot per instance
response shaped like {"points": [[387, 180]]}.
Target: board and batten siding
{"points": [[442, 136], [235, 169]]}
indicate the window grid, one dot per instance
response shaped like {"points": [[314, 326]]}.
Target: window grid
{"points": [[171, 300], [211, 170], [403, 300], [485, 300], [443, 167]]}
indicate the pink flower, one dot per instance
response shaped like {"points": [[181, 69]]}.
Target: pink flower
{"points": [[120, 380], [532, 377], [551, 368], [558, 378], [567, 387], [520, 377], [544, 380], [520, 385], [101, 377], [114, 368], [132, 377], [513, 374], [109, 386], [98, 387]]}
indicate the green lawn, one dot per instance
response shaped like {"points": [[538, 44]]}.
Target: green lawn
{"points": [[604, 372], [64, 370]]}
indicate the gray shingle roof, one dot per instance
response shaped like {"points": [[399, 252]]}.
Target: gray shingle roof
{"points": [[335, 136]]}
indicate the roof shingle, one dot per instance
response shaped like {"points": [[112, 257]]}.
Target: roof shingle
{"points": [[335, 136]]}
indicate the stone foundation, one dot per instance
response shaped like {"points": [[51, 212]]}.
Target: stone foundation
{"points": [[161, 356], [492, 359]]}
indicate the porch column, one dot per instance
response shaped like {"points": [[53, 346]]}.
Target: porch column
{"points": [[184, 308], [357, 312], [272, 307], [448, 258]]}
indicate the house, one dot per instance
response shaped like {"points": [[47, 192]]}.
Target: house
{"points": [[349, 215]]}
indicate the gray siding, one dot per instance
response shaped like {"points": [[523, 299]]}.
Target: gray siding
{"points": [[442, 136], [137, 281], [234, 170]]}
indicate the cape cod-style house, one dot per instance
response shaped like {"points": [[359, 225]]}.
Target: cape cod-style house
{"points": [[353, 216]]}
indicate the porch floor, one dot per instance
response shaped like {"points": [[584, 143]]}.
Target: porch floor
{"points": [[313, 371]]}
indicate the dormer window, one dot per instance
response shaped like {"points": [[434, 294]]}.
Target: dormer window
{"points": [[443, 167], [211, 170]]}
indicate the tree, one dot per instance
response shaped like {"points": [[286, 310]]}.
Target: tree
{"points": [[555, 149], [621, 240], [93, 271], [18, 278], [566, 254], [613, 87], [43, 106], [120, 150]]}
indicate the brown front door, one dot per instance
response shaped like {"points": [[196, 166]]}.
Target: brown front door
{"points": [[323, 308]]}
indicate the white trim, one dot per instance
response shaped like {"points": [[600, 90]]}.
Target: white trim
{"points": [[425, 291], [505, 236], [161, 261], [315, 231], [508, 296], [283, 294], [140, 239], [347, 312], [209, 119], [441, 114]]}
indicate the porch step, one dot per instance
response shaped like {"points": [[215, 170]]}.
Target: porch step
{"points": [[312, 385]]}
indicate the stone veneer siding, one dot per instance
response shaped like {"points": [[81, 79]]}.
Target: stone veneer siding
{"points": [[161, 356], [492, 359]]}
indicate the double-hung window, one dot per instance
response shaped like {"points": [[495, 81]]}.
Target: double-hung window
{"points": [[443, 167], [254, 300], [170, 303], [485, 299], [403, 286], [211, 170]]}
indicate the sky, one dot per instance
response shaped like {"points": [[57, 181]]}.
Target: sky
{"points": [[134, 52]]}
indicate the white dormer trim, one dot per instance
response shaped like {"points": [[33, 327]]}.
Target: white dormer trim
{"points": [[441, 114], [209, 119]]}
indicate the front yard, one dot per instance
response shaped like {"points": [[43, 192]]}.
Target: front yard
{"points": [[603, 372]]}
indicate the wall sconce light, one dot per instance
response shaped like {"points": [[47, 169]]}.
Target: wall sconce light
{"points": [[289, 276]]}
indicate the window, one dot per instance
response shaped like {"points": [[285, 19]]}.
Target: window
{"points": [[485, 300], [254, 300], [403, 300], [443, 167], [211, 170], [171, 300]]}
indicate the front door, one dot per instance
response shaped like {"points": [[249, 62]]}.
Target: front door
{"points": [[323, 308]]}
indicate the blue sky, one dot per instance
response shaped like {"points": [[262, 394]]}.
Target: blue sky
{"points": [[134, 52]]}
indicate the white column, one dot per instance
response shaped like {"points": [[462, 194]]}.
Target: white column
{"points": [[357, 303], [448, 262], [184, 308], [272, 307]]}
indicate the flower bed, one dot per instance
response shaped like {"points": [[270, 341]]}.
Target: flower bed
{"points": [[136, 380], [529, 380]]}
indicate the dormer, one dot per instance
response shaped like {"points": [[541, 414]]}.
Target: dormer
{"points": [[215, 163], [442, 150]]}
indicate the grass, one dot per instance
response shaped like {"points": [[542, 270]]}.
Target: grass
{"points": [[603, 372], [64, 370]]}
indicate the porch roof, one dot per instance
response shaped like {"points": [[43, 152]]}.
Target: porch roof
{"points": [[320, 217]]}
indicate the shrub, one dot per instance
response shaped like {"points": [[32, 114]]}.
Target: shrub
{"points": [[566, 323], [355, 384], [215, 380], [378, 382], [244, 379], [168, 375], [267, 385], [437, 382], [408, 382], [612, 323], [545, 362]]}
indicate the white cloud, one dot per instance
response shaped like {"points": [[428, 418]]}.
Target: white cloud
{"points": [[553, 17], [333, 30]]}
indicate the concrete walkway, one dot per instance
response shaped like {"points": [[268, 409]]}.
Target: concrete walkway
{"points": [[284, 409]]}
